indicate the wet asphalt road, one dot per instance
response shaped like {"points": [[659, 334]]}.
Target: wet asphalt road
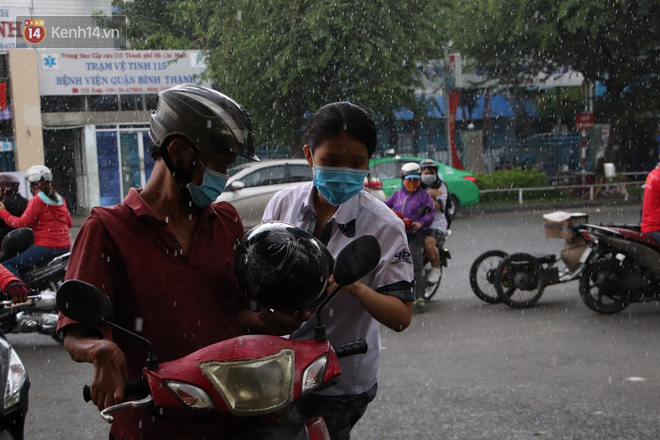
{"points": [[464, 369]]}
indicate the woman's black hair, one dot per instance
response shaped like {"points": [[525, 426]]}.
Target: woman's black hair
{"points": [[332, 119]]}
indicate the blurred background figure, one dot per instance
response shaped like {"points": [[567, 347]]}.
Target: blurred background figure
{"points": [[14, 202], [49, 218]]}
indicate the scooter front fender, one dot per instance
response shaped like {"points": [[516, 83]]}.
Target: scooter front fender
{"points": [[312, 429]]}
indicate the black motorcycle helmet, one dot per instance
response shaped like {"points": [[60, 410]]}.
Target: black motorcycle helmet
{"points": [[282, 266], [207, 118], [428, 163], [9, 184]]}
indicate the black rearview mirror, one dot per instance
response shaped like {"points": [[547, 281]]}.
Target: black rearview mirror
{"points": [[357, 259], [84, 303], [354, 261], [15, 242]]}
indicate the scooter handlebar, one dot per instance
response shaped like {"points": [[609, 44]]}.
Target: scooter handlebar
{"points": [[351, 348], [132, 388]]}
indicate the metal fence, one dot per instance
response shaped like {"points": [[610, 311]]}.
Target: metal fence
{"points": [[594, 191]]}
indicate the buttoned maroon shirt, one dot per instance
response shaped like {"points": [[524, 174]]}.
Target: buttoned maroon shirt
{"points": [[179, 302]]}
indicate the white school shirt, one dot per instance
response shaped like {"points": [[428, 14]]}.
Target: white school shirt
{"points": [[345, 319]]}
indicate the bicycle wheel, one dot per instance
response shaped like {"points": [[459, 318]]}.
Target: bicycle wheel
{"points": [[523, 275], [600, 291], [482, 275], [431, 288]]}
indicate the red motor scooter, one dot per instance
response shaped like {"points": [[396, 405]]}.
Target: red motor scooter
{"points": [[238, 388], [627, 269]]}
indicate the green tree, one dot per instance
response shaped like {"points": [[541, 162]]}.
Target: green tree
{"points": [[614, 42], [283, 59]]}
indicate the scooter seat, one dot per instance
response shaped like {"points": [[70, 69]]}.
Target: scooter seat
{"points": [[638, 237]]}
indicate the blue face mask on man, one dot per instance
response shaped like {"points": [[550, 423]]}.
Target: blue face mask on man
{"points": [[213, 184], [337, 184]]}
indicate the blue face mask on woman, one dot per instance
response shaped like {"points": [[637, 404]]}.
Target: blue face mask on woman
{"points": [[213, 184], [337, 185]]}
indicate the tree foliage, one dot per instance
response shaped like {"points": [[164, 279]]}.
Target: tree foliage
{"points": [[282, 59], [614, 42]]}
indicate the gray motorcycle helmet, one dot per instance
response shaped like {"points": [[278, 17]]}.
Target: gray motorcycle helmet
{"points": [[207, 118]]}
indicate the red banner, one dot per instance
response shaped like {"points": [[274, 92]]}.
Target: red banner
{"points": [[454, 98]]}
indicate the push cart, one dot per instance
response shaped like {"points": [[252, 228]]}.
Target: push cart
{"points": [[519, 279]]}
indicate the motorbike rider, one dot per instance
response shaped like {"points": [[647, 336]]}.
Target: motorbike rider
{"points": [[49, 218], [340, 139], [14, 202], [416, 204], [165, 256], [437, 189], [651, 205]]}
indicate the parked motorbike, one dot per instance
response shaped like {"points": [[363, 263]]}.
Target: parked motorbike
{"points": [[39, 313], [243, 387], [627, 270], [14, 380]]}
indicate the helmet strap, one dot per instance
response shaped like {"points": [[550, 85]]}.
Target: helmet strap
{"points": [[182, 176]]}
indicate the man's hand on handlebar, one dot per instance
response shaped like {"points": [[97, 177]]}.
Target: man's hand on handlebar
{"points": [[110, 374]]}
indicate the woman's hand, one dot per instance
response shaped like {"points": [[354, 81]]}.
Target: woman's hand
{"points": [[2, 206], [355, 289], [434, 192], [416, 226], [388, 310]]}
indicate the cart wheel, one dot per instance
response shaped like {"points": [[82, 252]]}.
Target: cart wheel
{"points": [[599, 289], [523, 275], [482, 275]]}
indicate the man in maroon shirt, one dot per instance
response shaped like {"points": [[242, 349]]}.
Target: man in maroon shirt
{"points": [[165, 255]]}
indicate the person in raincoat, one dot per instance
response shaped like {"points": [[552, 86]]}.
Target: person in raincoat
{"points": [[416, 205]]}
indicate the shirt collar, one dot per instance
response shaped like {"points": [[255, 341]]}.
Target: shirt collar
{"points": [[344, 217], [135, 201]]}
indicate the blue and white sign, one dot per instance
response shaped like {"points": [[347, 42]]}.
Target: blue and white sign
{"points": [[111, 72]]}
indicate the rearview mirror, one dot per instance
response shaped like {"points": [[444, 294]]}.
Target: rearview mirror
{"points": [[356, 259], [235, 185], [15, 242], [84, 303]]}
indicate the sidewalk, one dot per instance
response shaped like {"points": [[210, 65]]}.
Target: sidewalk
{"points": [[540, 206]]}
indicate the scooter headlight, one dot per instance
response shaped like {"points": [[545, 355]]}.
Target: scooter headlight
{"points": [[254, 387], [16, 377]]}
